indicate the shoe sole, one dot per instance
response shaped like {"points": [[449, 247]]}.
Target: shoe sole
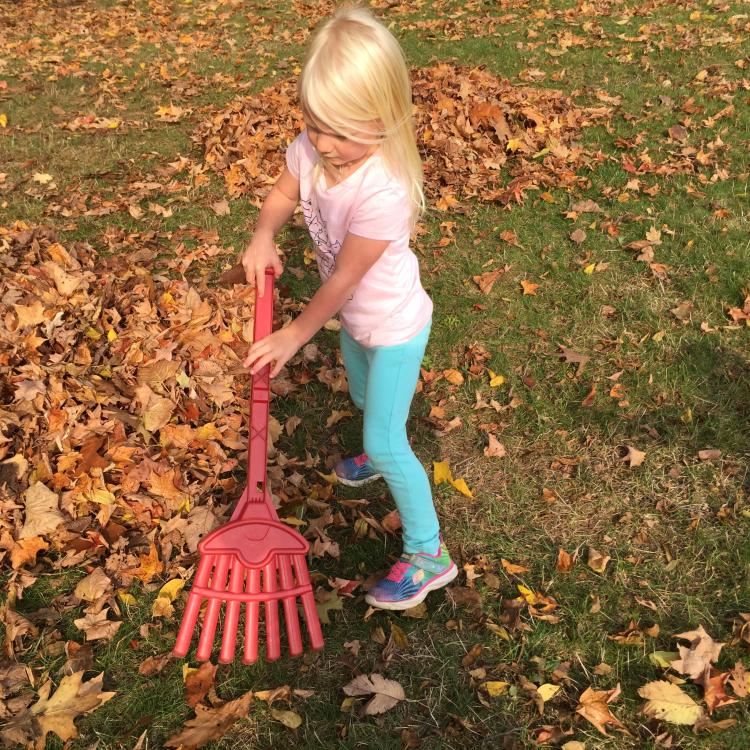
{"points": [[437, 583], [357, 482]]}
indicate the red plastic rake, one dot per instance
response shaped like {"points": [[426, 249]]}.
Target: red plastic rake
{"points": [[254, 559]]}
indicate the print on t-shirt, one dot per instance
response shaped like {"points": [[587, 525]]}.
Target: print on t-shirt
{"points": [[326, 251]]}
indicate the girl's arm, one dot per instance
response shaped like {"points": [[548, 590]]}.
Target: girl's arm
{"points": [[277, 209], [356, 257]]}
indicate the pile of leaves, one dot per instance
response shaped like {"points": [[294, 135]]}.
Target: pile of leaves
{"points": [[480, 136], [124, 416]]}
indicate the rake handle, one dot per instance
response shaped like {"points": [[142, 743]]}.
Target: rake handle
{"points": [[257, 447]]}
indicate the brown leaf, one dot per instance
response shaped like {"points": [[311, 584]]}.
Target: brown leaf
{"points": [[597, 561], [564, 561], [713, 683], [632, 455], [58, 712], [386, 693], [495, 449], [487, 280], [695, 659], [709, 454], [593, 706], [578, 236], [210, 723], [198, 683], [509, 567], [42, 516]]}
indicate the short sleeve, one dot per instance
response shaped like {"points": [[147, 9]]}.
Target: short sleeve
{"points": [[385, 214], [293, 155]]}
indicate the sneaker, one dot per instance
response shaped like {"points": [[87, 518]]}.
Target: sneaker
{"points": [[411, 579], [356, 471]]}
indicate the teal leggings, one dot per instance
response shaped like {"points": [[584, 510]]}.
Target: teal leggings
{"points": [[382, 381]]}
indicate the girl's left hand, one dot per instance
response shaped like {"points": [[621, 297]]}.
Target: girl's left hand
{"points": [[278, 347]]}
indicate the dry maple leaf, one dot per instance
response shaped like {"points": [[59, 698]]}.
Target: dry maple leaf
{"points": [[487, 280], [529, 287], [702, 652], [42, 514], [386, 693], [597, 561], [593, 706], [199, 682], [632, 455], [210, 723], [57, 713], [495, 448], [713, 683]]}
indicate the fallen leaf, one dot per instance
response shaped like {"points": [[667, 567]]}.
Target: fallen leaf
{"points": [[210, 723], [593, 706], [289, 719], [633, 456], [564, 561], [713, 683], [495, 449], [667, 702], [509, 567], [41, 511], [386, 693], [57, 713], [702, 652], [597, 561], [529, 287], [199, 682]]}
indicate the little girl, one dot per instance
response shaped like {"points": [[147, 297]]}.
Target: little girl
{"points": [[357, 173]]}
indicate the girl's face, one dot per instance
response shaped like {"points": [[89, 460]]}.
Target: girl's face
{"points": [[334, 148]]}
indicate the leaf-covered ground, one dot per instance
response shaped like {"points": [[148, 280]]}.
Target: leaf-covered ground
{"points": [[583, 405]]}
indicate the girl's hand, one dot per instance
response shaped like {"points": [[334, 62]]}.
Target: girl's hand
{"points": [[278, 347], [259, 254]]}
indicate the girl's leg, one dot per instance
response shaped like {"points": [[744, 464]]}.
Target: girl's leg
{"points": [[355, 360], [390, 387]]}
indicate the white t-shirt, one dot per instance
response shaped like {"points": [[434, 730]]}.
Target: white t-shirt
{"points": [[389, 305]]}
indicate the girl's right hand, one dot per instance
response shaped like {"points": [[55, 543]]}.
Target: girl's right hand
{"points": [[258, 255]]}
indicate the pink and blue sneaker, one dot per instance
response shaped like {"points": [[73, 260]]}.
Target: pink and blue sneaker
{"points": [[356, 471], [412, 578]]}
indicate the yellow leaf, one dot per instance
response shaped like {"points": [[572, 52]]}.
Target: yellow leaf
{"points": [[111, 335], [495, 380], [186, 670], [590, 268], [453, 376], [127, 599], [3, 120], [667, 702], [527, 594], [172, 588], [293, 521], [442, 472], [289, 719], [514, 144], [462, 487], [547, 691], [42, 178], [495, 688]]}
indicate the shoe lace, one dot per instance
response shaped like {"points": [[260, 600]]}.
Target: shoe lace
{"points": [[398, 570]]}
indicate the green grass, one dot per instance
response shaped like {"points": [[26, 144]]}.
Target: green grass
{"points": [[675, 538]]}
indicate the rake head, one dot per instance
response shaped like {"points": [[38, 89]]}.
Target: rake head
{"points": [[255, 562]]}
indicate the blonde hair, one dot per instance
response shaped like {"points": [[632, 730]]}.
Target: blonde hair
{"points": [[355, 72]]}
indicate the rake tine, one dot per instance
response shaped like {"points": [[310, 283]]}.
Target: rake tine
{"points": [[252, 611], [308, 603], [192, 609], [294, 636], [232, 618], [273, 637], [218, 585]]}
